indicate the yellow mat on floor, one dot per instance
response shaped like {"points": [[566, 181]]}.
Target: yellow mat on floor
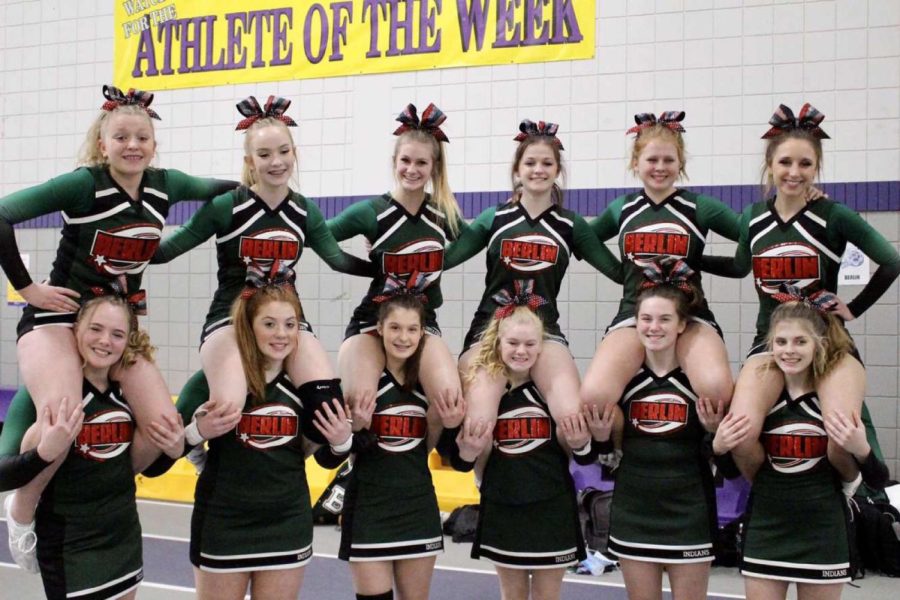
{"points": [[453, 488]]}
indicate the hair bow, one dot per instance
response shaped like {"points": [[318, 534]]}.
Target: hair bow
{"points": [[431, 121], [115, 98], [668, 270], [137, 301], [414, 286], [528, 128], [783, 120], [279, 274], [274, 108], [820, 301], [671, 119], [522, 296]]}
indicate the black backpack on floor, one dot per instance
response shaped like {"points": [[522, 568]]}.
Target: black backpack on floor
{"points": [[874, 537]]}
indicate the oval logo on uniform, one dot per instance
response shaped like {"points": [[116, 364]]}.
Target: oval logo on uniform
{"points": [[105, 434], [647, 242], [658, 414], [529, 253], [262, 247], [125, 250], [267, 426], [521, 430], [422, 256], [400, 427], [793, 263], [795, 447]]}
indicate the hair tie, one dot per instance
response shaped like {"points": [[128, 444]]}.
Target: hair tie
{"points": [[783, 120], [671, 271], [523, 295], [670, 119], [528, 128], [115, 98], [137, 300], [278, 275], [431, 121], [414, 286], [820, 301], [275, 107]]}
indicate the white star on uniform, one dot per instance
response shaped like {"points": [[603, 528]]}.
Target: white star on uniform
{"points": [[635, 422], [244, 437], [84, 448], [100, 260]]}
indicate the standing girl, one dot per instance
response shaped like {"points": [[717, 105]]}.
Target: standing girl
{"points": [[528, 523], [261, 222], [252, 520], [408, 230], [88, 533], [670, 529], [660, 220], [789, 241], [113, 209], [391, 526], [530, 241]]}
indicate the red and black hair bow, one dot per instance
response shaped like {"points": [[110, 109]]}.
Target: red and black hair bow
{"points": [[279, 274], [431, 121], [671, 119], [528, 128], [523, 295], [274, 108], [671, 271], [783, 120], [137, 301], [414, 286], [821, 301], [115, 98]]}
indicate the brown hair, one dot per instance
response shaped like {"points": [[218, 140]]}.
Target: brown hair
{"points": [[831, 338], [686, 303], [663, 133], [90, 154], [138, 344], [410, 302], [557, 196], [243, 311], [248, 176], [772, 145], [488, 357]]}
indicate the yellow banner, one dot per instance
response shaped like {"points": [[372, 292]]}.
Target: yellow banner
{"points": [[168, 44]]}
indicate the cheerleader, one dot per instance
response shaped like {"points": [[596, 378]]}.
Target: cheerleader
{"points": [[670, 529], [113, 209], [391, 526], [407, 229], [82, 466], [531, 240], [660, 220], [252, 520], [260, 222], [528, 522], [788, 240]]}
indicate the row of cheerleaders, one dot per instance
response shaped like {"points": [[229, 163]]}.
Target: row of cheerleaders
{"points": [[658, 398]]}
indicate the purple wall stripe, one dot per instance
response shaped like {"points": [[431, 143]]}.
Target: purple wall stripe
{"points": [[869, 196]]}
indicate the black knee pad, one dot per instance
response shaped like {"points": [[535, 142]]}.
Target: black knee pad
{"points": [[389, 595], [314, 394]]}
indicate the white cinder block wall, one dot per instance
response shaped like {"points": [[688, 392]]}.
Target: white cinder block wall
{"points": [[728, 63]]}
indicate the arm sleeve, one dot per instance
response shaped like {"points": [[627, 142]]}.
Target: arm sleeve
{"points": [[194, 393], [203, 224], [606, 226], [319, 238], [17, 469], [181, 186], [356, 219], [589, 247], [67, 192], [471, 240], [855, 229], [160, 466], [449, 449], [712, 213], [740, 265], [328, 459], [875, 473]]}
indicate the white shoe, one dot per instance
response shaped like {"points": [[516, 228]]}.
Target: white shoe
{"points": [[197, 457], [22, 540]]}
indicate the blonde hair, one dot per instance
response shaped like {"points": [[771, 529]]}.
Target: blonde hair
{"points": [[557, 195], [90, 155], [772, 145], [243, 311], [663, 133], [442, 197], [488, 357], [248, 175], [138, 344], [831, 338]]}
